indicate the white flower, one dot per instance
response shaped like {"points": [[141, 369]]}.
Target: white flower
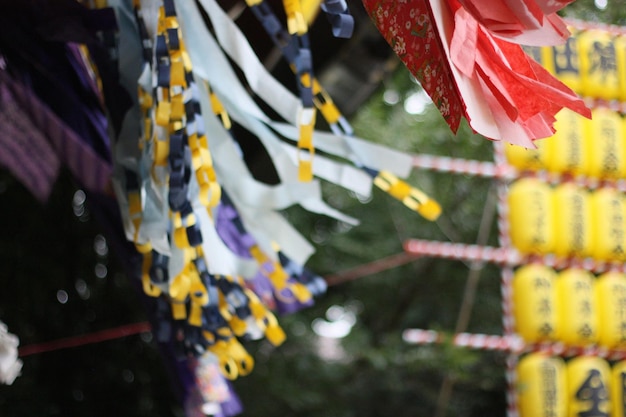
{"points": [[444, 107], [400, 46], [10, 365]]}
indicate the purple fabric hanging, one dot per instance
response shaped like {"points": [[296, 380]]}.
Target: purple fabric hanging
{"points": [[287, 303], [263, 288], [237, 241], [35, 141], [233, 406], [36, 40], [232, 231], [38, 170]]}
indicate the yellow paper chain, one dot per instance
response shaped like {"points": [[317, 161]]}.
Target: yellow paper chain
{"points": [[411, 197], [296, 23]]}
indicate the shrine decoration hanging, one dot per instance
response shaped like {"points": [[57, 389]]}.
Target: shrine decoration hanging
{"points": [[471, 64]]}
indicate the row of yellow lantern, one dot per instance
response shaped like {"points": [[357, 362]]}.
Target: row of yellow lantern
{"points": [[590, 62], [583, 386], [572, 306], [567, 220], [594, 148]]}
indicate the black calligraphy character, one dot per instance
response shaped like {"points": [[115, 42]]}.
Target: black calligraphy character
{"points": [[602, 58], [594, 391], [566, 57]]}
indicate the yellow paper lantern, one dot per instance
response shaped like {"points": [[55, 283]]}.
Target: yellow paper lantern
{"points": [[534, 302], [528, 159], [541, 390], [577, 320], [572, 220], [610, 292], [531, 216], [604, 144], [588, 387], [598, 65], [618, 389], [563, 62], [609, 229], [566, 148]]}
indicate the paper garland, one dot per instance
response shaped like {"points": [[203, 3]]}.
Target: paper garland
{"points": [[214, 245]]}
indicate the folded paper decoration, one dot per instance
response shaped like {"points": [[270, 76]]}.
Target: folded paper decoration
{"points": [[465, 58]]}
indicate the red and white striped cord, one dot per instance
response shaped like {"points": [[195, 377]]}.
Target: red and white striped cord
{"points": [[508, 324], [506, 290], [503, 171], [582, 25], [512, 409], [506, 286], [513, 344], [467, 340], [505, 257], [461, 166], [463, 252], [503, 207]]}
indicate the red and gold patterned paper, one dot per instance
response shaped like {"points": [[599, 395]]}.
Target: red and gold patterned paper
{"points": [[409, 28]]}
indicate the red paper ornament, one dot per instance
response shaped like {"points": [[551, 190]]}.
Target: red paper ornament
{"points": [[462, 60]]}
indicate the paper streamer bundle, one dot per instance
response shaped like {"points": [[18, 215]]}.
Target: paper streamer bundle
{"points": [[217, 253]]}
